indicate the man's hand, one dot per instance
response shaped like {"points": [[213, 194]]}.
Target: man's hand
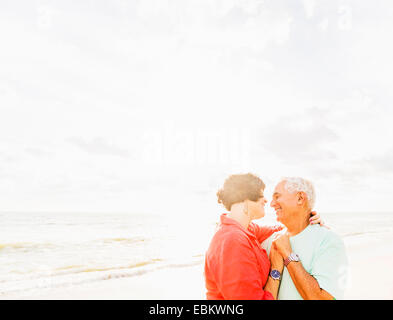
{"points": [[282, 245]]}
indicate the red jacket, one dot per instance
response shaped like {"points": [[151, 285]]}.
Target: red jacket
{"points": [[236, 266]]}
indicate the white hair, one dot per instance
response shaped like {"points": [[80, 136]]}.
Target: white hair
{"points": [[297, 184]]}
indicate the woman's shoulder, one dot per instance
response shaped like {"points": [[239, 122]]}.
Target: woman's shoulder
{"points": [[229, 235]]}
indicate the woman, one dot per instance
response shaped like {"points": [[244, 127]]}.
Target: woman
{"points": [[236, 266]]}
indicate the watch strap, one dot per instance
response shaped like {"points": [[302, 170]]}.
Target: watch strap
{"points": [[289, 259]]}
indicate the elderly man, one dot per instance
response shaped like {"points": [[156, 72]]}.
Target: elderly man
{"points": [[314, 259]]}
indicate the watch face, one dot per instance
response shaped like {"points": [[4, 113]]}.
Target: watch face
{"points": [[294, 257], [275, 274]]}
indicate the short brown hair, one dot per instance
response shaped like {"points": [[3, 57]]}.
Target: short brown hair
{"points": [[240, 187]]}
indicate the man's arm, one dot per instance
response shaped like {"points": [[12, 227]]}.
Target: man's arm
{"points": [[306, 285]]}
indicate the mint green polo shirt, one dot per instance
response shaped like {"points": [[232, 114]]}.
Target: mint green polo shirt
{"points": [[323, 255]]}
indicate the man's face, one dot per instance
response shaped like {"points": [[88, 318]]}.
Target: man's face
{"points": [[284, 203]]}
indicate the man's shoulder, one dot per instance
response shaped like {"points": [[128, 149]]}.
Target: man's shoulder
{"points": [[325, 236]]}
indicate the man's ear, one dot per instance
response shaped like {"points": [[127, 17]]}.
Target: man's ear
{"points": [[300, 198]]}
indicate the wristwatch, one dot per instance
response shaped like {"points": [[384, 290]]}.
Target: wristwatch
{"points": [[275, 274], [292, 257]]}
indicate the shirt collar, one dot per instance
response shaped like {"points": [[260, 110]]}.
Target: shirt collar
{"points": [[225, 220]]}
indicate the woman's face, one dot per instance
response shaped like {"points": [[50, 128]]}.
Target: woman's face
{"points": [[257, 208]]}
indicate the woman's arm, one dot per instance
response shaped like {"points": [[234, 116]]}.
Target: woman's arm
{"points": [[276, 263], [264, 232]]}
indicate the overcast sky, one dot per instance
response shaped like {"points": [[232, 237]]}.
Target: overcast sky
{"points": [[148, 105]]}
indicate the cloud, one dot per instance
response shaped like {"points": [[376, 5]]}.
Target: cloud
{"points": [[37, 151], [382, 163], [123, 69], [8, 157], [299, 138], [99, 146], [332, 141], [309, 7]]}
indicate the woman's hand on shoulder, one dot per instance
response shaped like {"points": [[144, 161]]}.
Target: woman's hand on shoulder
{"points": [[316, 218]]}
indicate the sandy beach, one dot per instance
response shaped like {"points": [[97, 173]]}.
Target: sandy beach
{"points": [[365, 256]]}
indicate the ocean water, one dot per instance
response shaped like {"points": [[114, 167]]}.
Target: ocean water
{"points": [[48, 250]]}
